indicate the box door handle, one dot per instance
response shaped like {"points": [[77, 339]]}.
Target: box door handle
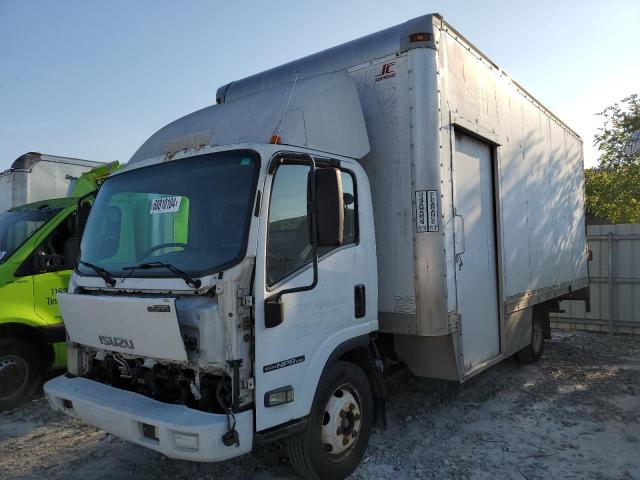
{"points": [[360, 301], [458, 232]]}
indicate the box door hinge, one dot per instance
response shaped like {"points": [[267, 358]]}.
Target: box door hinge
{"points": [[454, 322]]}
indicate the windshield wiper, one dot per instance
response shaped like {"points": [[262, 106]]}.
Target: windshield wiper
{"points": [[188, 279], [106, 276]]}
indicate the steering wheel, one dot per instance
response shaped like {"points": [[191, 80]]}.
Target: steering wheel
{"points": [[160, 247]]}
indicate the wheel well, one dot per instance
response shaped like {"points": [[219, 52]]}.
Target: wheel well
{"points": [[32, 335], [359, 356], [365, 357]]}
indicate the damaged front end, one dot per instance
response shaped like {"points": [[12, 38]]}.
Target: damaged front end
{"points": [[191, 350]]}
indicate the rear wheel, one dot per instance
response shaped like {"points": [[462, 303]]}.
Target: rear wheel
{"points": [[338, 428], [21, 372], [532, 352]]}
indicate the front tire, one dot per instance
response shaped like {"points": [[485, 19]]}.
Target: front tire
{"points": [[532, 352], [338, 427], [21, 372]]}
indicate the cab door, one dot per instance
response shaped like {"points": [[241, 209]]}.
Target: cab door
{"points": [[341, 306], [53, 274], [46, 287]]}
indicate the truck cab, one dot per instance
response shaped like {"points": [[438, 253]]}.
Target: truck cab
{"points": [[239, 274], [36, 259]]}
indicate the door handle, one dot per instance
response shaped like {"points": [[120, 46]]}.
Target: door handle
{"points": [[360, 301], [459, 245], [458, 227]]}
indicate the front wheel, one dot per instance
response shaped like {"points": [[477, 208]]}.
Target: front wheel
{"points": [[21, 372], [338, 427]]}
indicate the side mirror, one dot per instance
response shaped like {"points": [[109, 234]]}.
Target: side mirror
{"points": [[50, 263], [330, 207], [83, 214], [71, 251]]}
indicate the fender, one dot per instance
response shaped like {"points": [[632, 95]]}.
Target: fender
{"points": [[50, 332], [13, 321], [360, 350], [343, 348], [42, 336], [363, 352]]}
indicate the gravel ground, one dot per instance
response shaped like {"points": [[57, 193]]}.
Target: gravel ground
{"points": [[574, 414]]}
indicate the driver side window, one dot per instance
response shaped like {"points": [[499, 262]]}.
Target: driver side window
{"points": [[288, 242], [50, 255], [289, 233]]}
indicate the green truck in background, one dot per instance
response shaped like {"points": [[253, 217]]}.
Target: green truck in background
{"points": [[37, 253]]}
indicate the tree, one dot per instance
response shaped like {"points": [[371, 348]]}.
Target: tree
{"points": [[613, 187], [614, 196], [621, 125]]}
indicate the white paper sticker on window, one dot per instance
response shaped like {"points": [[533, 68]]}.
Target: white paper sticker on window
{"points": [[427, 211], [165, 205]]}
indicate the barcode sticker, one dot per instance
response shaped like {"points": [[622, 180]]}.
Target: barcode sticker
{"points": [[165, 204], [432, 209], [421, 211], [405, 304], [427, 211]]}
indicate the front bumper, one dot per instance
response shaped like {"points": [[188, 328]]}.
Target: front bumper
{"points": [[180, 432]]}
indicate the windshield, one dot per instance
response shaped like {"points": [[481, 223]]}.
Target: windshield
{"points": [[192, 214], [16, 226]]}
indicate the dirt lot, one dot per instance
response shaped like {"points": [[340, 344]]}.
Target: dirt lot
{"points": [[575, 414]]}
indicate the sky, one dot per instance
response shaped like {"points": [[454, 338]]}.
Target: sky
{"points": [[94, 79]]}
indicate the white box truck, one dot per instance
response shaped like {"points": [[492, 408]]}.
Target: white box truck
{"points": [[34, 176], [250, 272]]}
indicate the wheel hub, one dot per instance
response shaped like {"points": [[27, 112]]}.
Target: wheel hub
{"points": [[14, 374], [342, 420]]}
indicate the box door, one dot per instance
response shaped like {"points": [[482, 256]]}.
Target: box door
{"points": [[476, 266]]}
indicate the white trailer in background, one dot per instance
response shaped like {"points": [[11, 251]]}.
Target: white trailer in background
{"points": [[257, 262], [36, 176]]}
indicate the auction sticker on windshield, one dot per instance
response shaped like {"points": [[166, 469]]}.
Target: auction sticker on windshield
{"points": [[165, 204]]}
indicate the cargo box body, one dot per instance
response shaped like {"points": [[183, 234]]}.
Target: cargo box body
{"points": [[478, 193], [34, 177], [478, 196]]}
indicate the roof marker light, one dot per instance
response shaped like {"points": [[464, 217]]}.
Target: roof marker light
{"points": [[420, 37]]}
